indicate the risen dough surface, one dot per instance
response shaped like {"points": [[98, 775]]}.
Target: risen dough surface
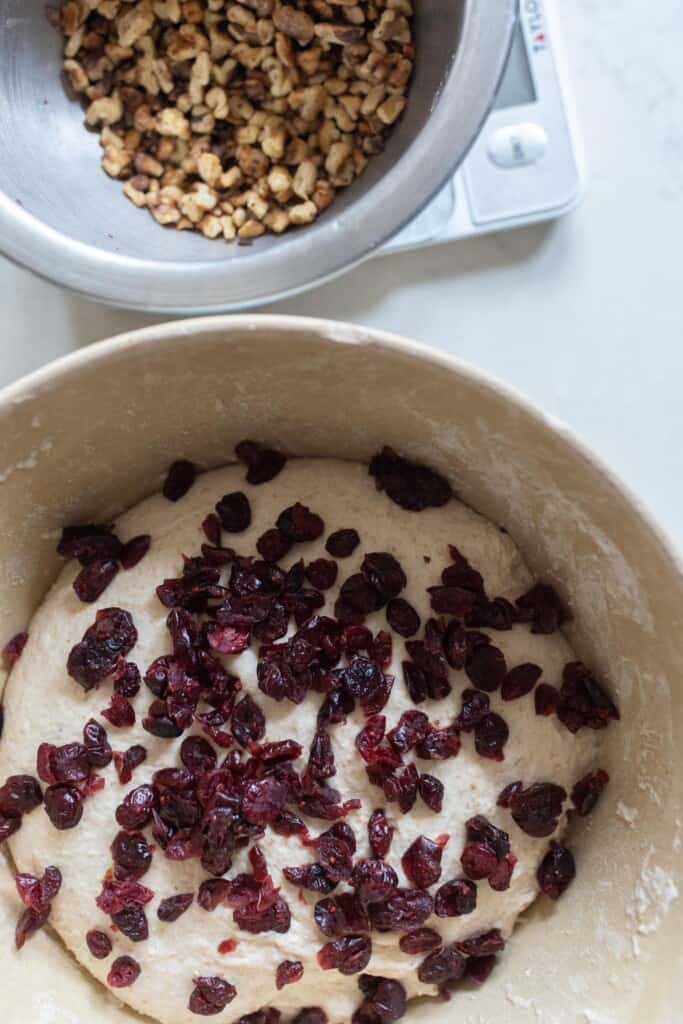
{"points": [[42, 703]]}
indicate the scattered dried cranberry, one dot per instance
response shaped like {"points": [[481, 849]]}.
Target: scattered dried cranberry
{"points": [[336, 848], [380, 834], [357, 599], [422, 862], [556, 871], [248, 721], [29, 922], [210, 996], [228, 946], [234, 512], [132, 856], [288, 972], [506, 794], [348, 955], [455, 898], [117, 896], [300, 524], [111, 636], [484, 944], [385, 1001], [587, 791], [267, 1015], [322, 573], [136, 810], [120, 711], [134, 550], [13, 649], [402, 617], [211, 526], [431, 790], [384, 572], [263, 464], [197, 754], [486, 667], [401, 786], [406, 910], [99, 944], [490, 736], [422, 940], [124, 971], [128, 761], [273, 545], [543, 608], [93, 580], [475, 707], [451, 601], [374, 881], [342, 543], [228, 639], [479, 967], [171, 908], [132, 922], [212, 892], [64, 806], [18, 796], [179, 479], [89, 543], [339, 915], [441, 966], [310, 1015], [127, 678], [38, 893], [520, 680], [412, 728], [262, 801], [538, 808], [439, 744], [310, 876], [410, 485], [496, 614], [545, 699], [583, 701]]}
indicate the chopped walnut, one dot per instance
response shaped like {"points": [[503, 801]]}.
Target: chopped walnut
{"points": [[238, 117]]}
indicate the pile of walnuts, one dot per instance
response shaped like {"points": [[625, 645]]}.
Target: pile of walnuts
{"points": [[237, 117]]}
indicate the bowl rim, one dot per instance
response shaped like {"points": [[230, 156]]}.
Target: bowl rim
{"points": [[337, 332], [341, 241]]}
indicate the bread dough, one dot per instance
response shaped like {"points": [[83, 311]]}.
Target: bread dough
{"points": [[42, 703]]}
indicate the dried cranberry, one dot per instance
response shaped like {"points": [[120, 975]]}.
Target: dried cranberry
{"points": [[384, 572], [451, 601], [29, 922], [127, 678], [357, 599], [13, 649], [480, 829], [496, 614], [385, 1001], [335, 850], [262, 801], [89, 543], [583, 701], [341, 914], [402, 617], [456, 898], [99, 944], [212, 892], [431, 790], [38, 893], [479, 967], [93, 579], [131, 855], [228, 946], [132, 922], [374, 881], [171, 908], [484, 944], [211, 526], [478, 860], [263, 464], [490, 736], [128, 761], [587, 791], [310, 1015], [117, 896], [136, 810], [234, 512], [506, 794], [275, 918], [310, 876], [422, 862], [543, 608], [546, 698], [342, 543], [348, 955], [64, 806], [368, 741], [439, 744], [197, 754], [248, 722], [520, 680], [111, 636], [410, 485], [228, 639], [273, 545], [366, 682], [300, 524], [321, 756], [288, 972], [134, 550], [486, 667], [556, 871], [441, 966], [422, 940], [406, 910], [538, 808], [475, 707], [322, 573], [19, 795], [210, 996], [8, 826], [412, 728], [401, 786], [380, 834], [267, 1015], [120, 711], [124, 971]]}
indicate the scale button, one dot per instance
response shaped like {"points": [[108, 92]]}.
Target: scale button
{"points": [[517, 145]]}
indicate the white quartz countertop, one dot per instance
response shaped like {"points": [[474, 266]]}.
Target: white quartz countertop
{"points": [[584, 316]]}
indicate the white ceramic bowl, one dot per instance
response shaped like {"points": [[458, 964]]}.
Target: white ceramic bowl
{"points": [[93, 433]]}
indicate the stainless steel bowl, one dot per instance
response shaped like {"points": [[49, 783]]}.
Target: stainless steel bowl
{"points": [[63, 218]]}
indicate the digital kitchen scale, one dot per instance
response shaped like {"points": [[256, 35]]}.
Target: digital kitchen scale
{"points": [[525, 164]]}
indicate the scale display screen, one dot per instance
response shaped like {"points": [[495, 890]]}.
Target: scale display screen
{"points": [[518, 84]]}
